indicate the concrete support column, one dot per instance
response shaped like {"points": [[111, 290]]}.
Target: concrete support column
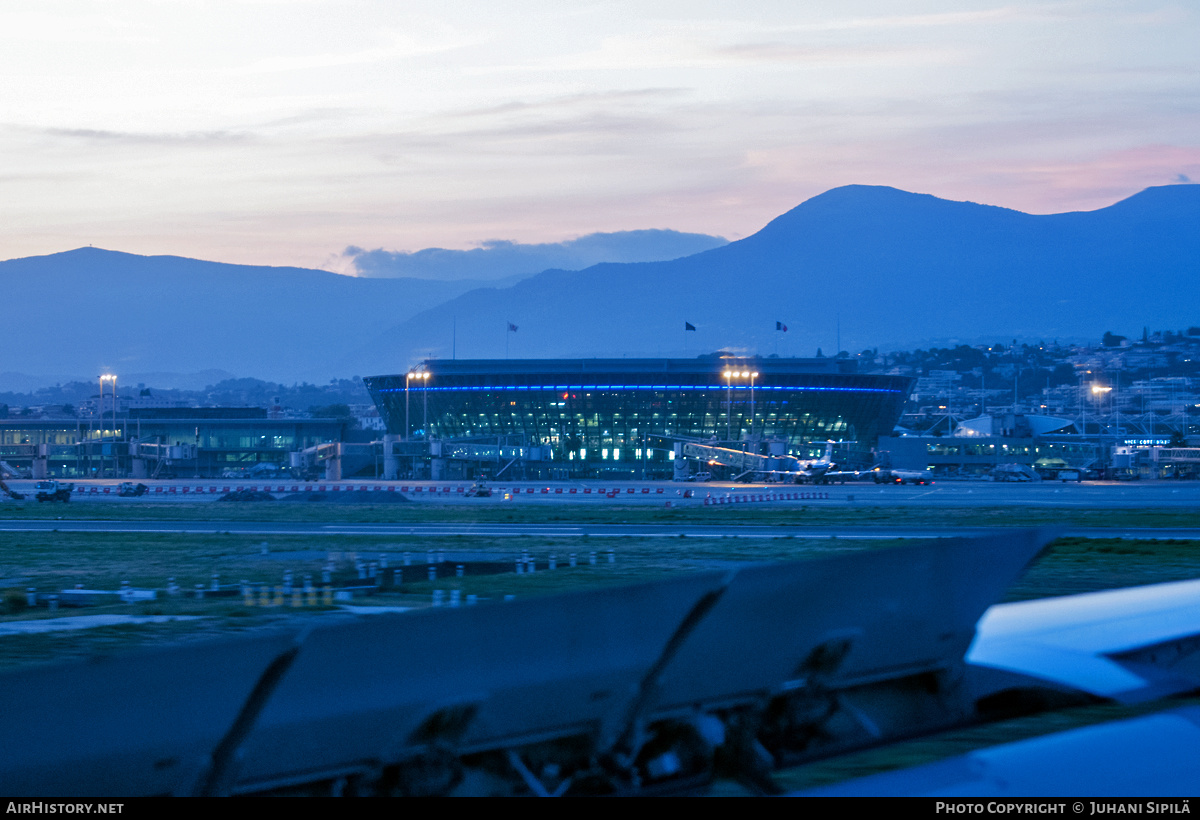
{"points": [[41, 462], [391, 464], [333, 465], [680, 463]]}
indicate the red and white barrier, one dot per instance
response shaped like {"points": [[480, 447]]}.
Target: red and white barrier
{"points": [[447, 491]]}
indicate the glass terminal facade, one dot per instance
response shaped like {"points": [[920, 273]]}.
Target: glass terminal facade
{"points": [[594, 414], [223, 439]]}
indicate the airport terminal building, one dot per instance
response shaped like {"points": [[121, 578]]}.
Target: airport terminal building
{"points": [[188, 442], [618, 417]]}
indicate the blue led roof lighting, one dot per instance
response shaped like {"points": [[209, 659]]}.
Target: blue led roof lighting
{"points": [[559, 388]]}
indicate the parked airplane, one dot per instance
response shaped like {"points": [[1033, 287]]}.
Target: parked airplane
{"points": [[818, 470], [747, 464]]}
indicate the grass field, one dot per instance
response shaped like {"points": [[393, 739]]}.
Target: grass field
{"points": [[821, 514]]}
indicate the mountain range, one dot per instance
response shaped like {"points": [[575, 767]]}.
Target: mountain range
{"points": [[856, 267]]}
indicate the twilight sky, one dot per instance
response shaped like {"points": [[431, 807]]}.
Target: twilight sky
{"points": [[282, 131]]}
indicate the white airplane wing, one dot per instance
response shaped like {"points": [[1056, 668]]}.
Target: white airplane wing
{"points": [[1128, 645]]}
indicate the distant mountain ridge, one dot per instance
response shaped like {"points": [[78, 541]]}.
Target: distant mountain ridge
{"points": [[88, 310], [873, 266], [869, 266]]}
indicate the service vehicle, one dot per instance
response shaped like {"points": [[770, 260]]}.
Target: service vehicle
{"points": [[53, 491]]}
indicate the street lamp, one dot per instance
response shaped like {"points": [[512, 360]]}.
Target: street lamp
{"points": [[108, 377], [753, 376], [730, 375], [728, 405], [1098, 392], [425, 402], [408, 378], [1083, 404]]}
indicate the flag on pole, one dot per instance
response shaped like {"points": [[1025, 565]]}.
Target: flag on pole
{"points": [[781, 326], [510, 329], [688, 326]]}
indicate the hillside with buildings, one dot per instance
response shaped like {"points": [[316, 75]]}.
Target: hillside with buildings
{"points": [[1149, 383], [1120, 408]]}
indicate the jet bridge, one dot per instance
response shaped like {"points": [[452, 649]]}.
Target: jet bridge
{"points": [[466, 458], [740, 462], [150, 459]]}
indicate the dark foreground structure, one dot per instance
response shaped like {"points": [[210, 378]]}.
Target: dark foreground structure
{"points": [[656, 688], [620, 417]]}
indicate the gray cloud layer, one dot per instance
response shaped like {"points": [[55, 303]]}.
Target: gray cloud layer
{"points": [[498, 259]]}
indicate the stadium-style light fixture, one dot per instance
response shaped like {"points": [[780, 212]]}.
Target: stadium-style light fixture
{"points": [[730, 375], [753, 376], [112, 378], [425, 405], [423, 377], [408, 377]]}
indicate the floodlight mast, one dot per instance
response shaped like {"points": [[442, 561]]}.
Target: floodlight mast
{"points": [[730, 375], [728, 405], [753, 376], [423, 376], [425, 401], [108, 377]]}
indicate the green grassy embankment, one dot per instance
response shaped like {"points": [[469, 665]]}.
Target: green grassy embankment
{"points": [[827, 513]]}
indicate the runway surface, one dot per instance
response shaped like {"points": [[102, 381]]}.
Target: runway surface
{"points": [[566, 531], [566, 496]]}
